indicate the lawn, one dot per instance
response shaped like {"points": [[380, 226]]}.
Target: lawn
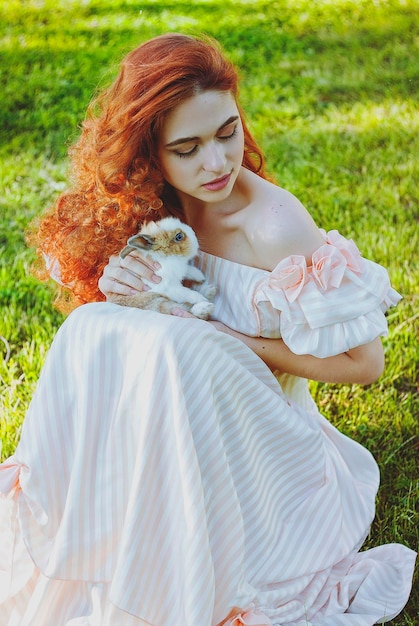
{"points": [[331, 92]]}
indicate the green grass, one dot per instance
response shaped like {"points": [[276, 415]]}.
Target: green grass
{"points": [[331, 91]]}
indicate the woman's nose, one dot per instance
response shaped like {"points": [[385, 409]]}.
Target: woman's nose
{"points": [[214, 158]]}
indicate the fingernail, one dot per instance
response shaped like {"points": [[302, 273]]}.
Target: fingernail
{"points": [[156, 265], [156, 279]]}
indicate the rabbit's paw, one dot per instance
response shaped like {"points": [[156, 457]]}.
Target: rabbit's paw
{"points": [[202, 310], [208, 291]]}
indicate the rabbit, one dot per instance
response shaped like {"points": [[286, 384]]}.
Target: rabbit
{"points": [[173, 244]]}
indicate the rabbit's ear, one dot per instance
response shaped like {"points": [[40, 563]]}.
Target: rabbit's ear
{"points": [[137, 242], [125, 251], [141, 242]]}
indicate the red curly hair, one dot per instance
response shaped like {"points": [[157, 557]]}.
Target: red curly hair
{"points": [[117, 179]]}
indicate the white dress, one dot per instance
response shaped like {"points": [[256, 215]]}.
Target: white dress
{"points": [[165, 477]]}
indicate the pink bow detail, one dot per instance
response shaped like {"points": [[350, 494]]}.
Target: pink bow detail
{"points": [[10, 472], [348, 248], [290, 275], [251, 617], [329, 266]]}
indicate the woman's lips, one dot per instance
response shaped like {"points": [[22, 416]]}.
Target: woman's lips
{"points": [[218, 183]]}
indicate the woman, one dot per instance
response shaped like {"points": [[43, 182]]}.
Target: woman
{"points": [[164, 475]]}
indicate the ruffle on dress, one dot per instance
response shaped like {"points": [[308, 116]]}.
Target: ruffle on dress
{"points": [[336, 303]]}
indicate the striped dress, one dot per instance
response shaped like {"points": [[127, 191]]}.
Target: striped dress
{"points": [[166, 477]]}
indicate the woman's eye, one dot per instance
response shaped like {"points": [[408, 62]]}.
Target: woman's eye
{"points": [[179, 236], [190, 152], [229, 136]]}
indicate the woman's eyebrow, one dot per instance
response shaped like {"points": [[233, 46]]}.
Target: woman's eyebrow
{"points": [[176, 142]]}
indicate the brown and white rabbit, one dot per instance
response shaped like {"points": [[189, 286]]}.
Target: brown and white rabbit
{"points": [[173, 244]]}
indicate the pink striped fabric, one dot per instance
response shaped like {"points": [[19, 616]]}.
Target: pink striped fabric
{"points": [[165, 477]]}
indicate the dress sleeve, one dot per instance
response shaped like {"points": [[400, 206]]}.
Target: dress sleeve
{"points": [[335, 304], [53, 269]]}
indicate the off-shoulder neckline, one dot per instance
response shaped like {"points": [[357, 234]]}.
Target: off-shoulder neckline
{"points": [[242, 265]]}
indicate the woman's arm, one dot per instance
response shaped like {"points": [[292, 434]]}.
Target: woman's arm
{"points": [[362, 365]]}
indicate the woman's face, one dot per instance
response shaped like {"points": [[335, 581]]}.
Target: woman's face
{"points": [[201, 147]]}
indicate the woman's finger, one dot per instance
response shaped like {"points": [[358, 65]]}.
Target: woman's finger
{"points": [[127, 276], [110, 286], [119, 280], [140, 266]]}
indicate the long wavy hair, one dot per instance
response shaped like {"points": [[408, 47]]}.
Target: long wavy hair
{"points": [[117, 182]]}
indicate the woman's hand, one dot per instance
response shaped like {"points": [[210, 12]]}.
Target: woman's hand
{"points": [[125, 276]]}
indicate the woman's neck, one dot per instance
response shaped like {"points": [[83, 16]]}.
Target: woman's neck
{"points": [[222, 228]]}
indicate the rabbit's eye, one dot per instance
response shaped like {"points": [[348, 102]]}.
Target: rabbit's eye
{"points": [[179, 236]]}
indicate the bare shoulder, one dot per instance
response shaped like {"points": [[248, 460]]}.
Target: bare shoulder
{"points": [[278, 225]]}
